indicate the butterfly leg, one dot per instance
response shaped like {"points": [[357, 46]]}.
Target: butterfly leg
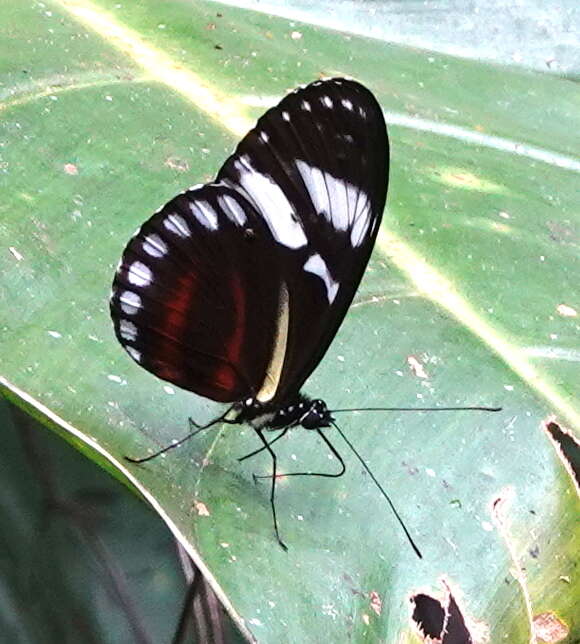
{"points": [[196, 430], [261, 449], [326, 474], [273, 488]]}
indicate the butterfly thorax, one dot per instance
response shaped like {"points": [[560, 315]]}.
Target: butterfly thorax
{"points": [[303, 411]]}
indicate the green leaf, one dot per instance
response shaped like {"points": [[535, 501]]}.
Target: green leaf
{"points": [[471, 298]]}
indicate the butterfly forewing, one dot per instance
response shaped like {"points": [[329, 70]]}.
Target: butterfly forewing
{"points": [[237, 288]]}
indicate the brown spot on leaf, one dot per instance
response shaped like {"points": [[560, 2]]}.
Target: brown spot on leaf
{"points": [[411, 469], [201, 509], [175, 163], [563, 232], [376, 603], [534, 552], [349, 581], [548, 628], [417, 367]]}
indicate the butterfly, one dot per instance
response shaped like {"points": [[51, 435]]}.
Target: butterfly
{"points": [[235, 289]]}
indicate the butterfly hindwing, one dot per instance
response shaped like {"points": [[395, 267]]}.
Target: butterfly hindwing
{"points": [[237, 288], [185, 314]]}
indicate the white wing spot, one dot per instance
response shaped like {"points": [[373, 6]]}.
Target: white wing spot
{"points": [[269, 199], [325, 190], [127, 330], [343, 204], [136, 355], [362, 112], [314, 181], [327, 101], [154, 246], [130, 302], [233, 210], [264, 136], [316, 265], [139, 274], [205, 214], [306, 106], [362, 220], [177, 225], [285, 115], [346, 103]]}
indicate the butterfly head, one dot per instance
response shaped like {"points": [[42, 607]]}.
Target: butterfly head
{"points": [[316, 415]]}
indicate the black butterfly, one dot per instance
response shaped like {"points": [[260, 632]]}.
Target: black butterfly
{"points": [[235, 289]]}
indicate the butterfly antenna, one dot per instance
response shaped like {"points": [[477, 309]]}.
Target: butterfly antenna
{"points": [[337, 411], [382, 490]]}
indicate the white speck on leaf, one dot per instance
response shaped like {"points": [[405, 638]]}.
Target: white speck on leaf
{"points": [[55, 334], [566, 311], [113, 378]]}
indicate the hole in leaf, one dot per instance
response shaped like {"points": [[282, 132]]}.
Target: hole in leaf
{"points": [[568, 448], [442, 622]]}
